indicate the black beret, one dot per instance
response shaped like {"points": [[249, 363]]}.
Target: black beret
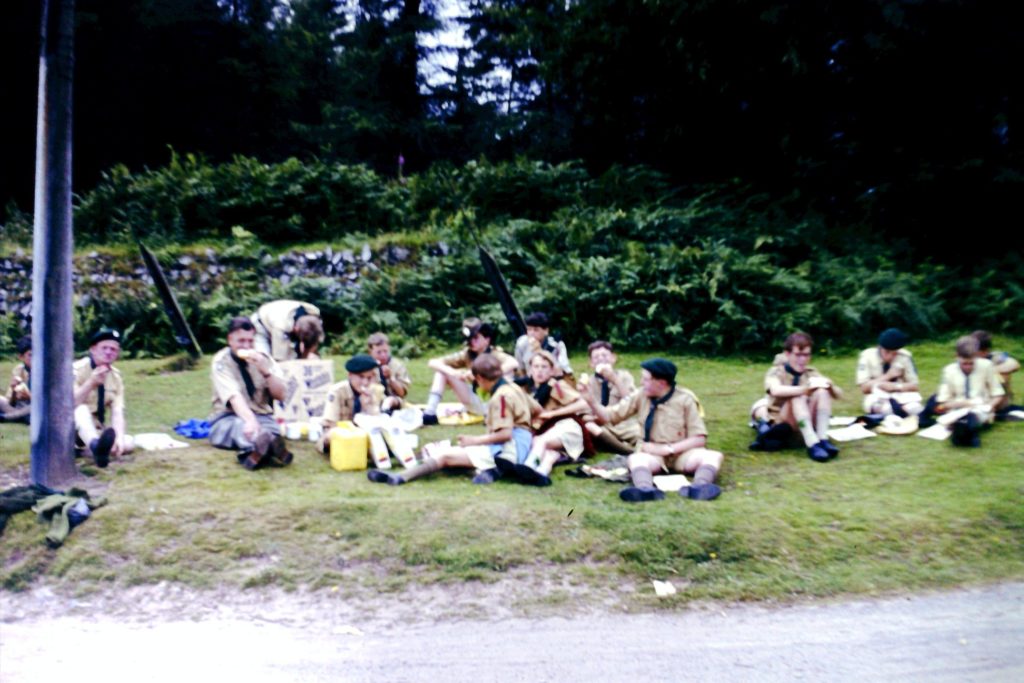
{"points": [[538, 320], [24, 344], [661, 368], [893, 339], [103, 334], [361, 363]]}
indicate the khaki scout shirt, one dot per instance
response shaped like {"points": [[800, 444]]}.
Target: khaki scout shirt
{"points": [[113, 388], [16, 394], [627, 431], [674, 420], [274, 323], [341, 403], [778, 375], [870, 366], [461, 359], [509, 407], [228, 382], [562, 394], [982, 384], [399, 376]]}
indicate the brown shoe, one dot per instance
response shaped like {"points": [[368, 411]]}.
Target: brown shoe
{"points": [[280, 456], [259, 454]]}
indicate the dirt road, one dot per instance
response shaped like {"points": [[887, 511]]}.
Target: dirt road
{"points": [[970, 634]]}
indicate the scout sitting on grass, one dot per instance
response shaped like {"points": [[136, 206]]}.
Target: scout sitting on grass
{"points": [[1005, 366], [99, 400], [973, 383], [674, 435], [245, 382], [454, 371], [608, 386], [17, 405], [887, 377], [551, 399], [393, 375], [358, 393], [508, 433], [799, 398]]}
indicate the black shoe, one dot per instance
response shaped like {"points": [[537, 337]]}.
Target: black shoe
{"points": [[382, 477], [279, 454], [817, 453], [260, 452], [701, 491], [487, 476], [829, 447], [529, 476], [506, 468], [101, 447], [635, 494], [429, 419]]}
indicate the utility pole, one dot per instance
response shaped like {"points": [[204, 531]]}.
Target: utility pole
{"points": [[52, 422]]}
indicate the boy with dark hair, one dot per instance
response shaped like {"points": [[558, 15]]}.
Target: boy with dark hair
{"points": [[508, 432], [16, 406], [887, 377], [538, 338], [245, 383], [454, 370], [288, 330], [674, 435], [799, 399]]}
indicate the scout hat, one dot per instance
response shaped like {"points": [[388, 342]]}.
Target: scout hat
{"points": [[103, 334], [893, 339], [894, 425], [360, 363], [661, 368]]}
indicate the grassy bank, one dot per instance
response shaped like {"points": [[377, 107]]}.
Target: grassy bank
{"points": [[890, 513]]}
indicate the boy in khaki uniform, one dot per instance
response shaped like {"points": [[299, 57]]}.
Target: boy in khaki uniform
{"points": [[392, 373], [608, 386], [973, 383], [245, 383], [359, 393], [1005, 366], [553, 402], [454, 370], [16, 406], [508, 433], [99, 396], [799, 398], [288, 330], [887, 377], [674, 435]]}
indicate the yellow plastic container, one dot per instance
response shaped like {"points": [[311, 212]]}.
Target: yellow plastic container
{"points": [[349, 446]]}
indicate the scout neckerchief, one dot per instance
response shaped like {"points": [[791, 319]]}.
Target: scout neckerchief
{"points": [[243, 369], [543, 393], [101, 409], [606, 391], [796, 375], [655, 402], [383, 380], [299, 312], [885, 366], [967, 383], [357, 405]]}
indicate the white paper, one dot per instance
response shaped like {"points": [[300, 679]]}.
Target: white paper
{"points": [[854, 432]]}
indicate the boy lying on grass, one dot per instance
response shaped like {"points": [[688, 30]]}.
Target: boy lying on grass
{"points": [[508, 433]]}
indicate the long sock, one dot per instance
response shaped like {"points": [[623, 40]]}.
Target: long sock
{"points": [[705, 474], [822, 415], [608, 441], [432, 402], [807, 431], [642, 478], [428, 466]]}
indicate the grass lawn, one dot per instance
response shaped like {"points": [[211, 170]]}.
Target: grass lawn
{"points": [[890, 513]]}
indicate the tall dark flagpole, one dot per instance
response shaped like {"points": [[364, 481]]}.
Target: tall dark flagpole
{"points": [[52, 426]]}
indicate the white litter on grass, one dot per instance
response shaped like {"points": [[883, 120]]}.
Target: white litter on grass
{"points": [[670, 482], [854, 432], [663, 588], [840, 421], [938, 432], [155, 441]]}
